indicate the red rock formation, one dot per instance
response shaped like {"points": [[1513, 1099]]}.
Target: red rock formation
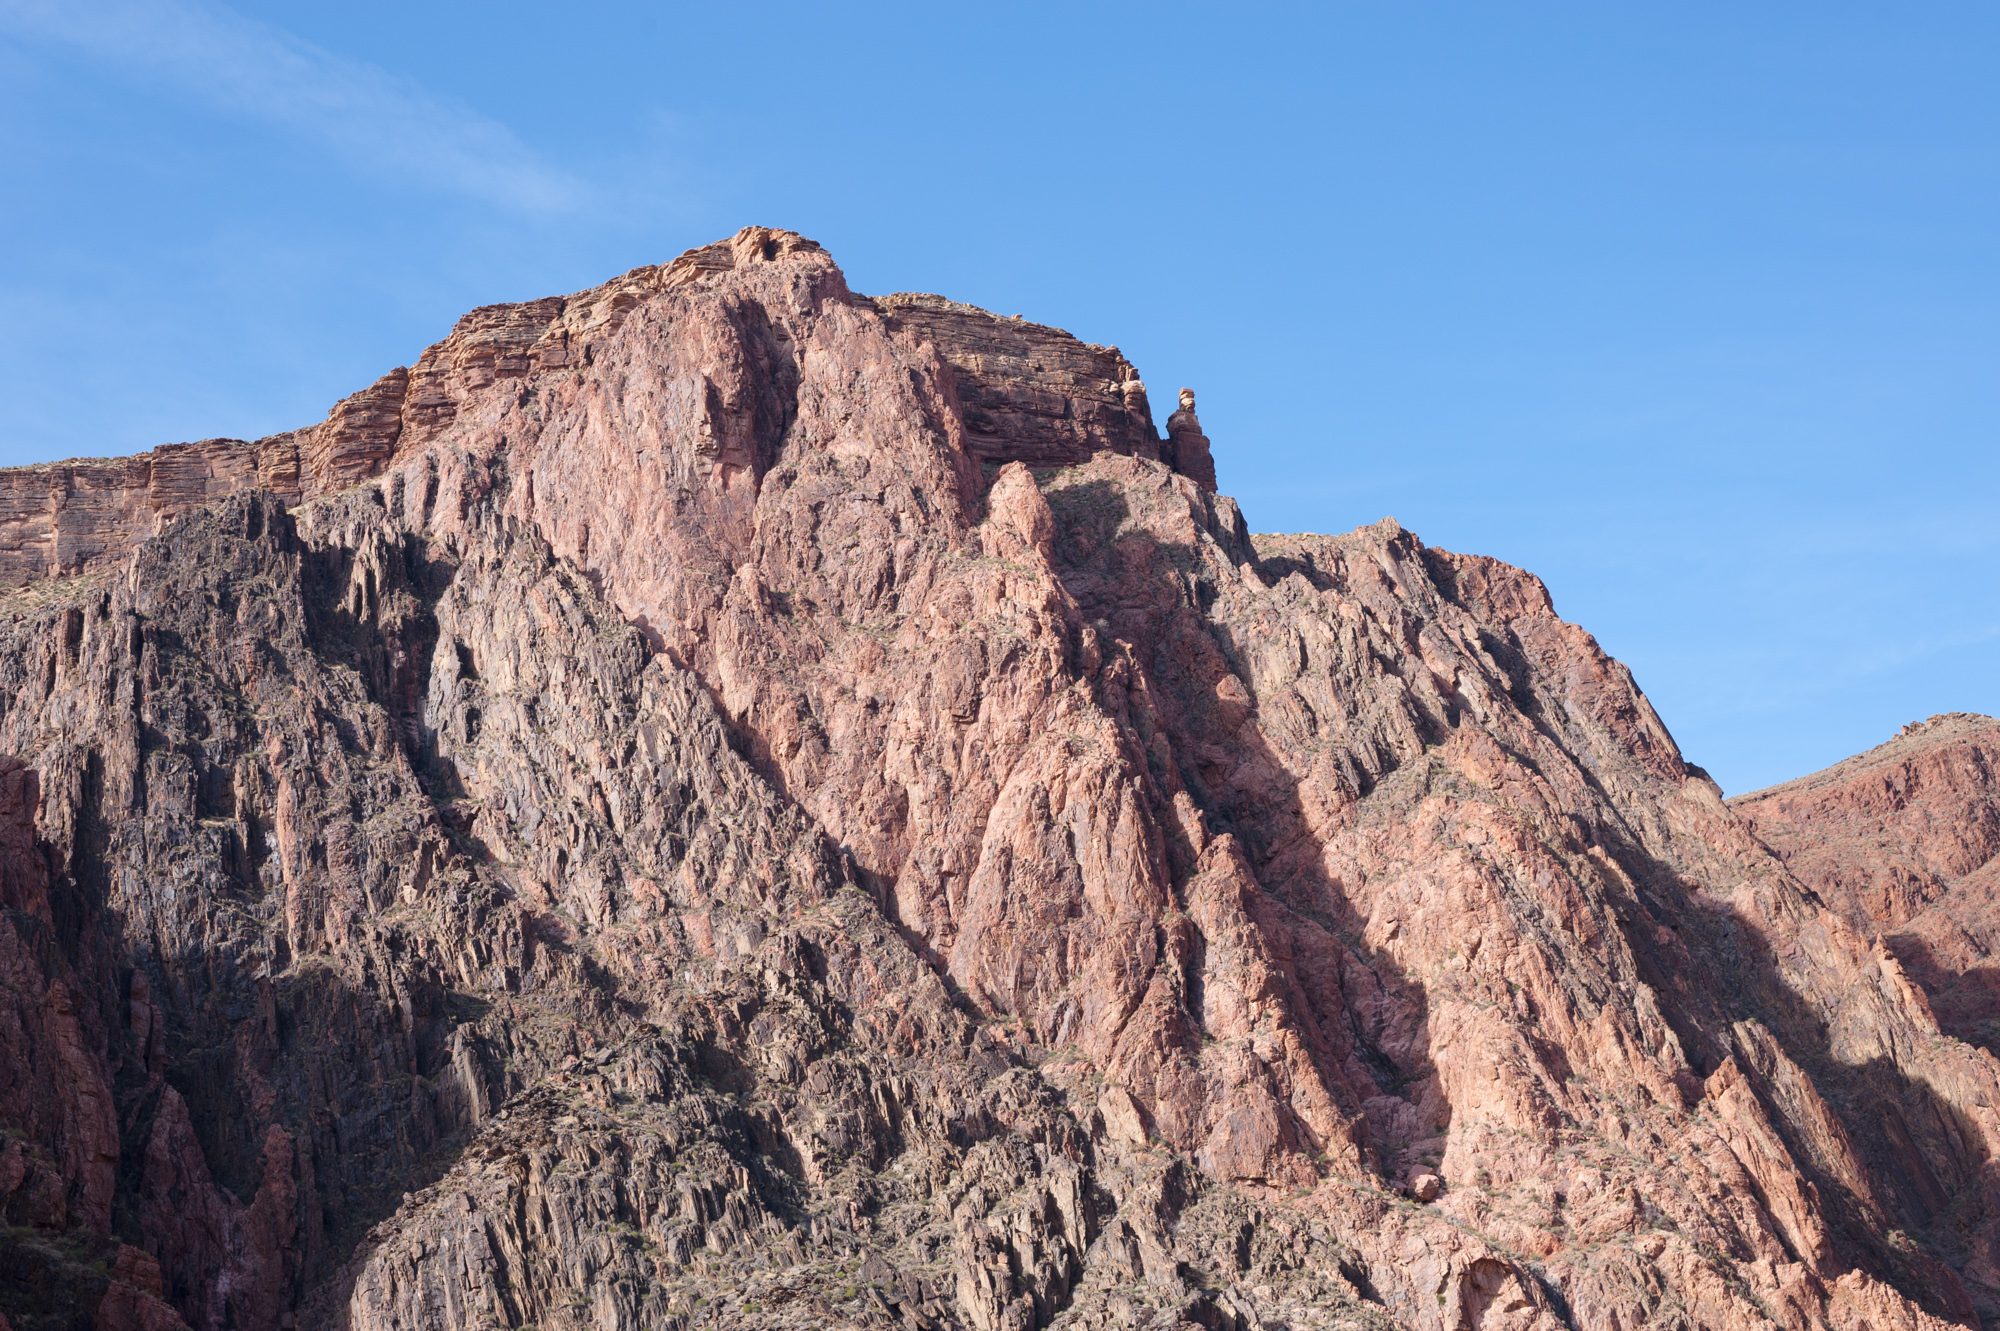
{"points": [[1187, 448], [1024, 392], [1028, 393], [1885, 835], [741, 804], [64, 517], [1904, 841]]}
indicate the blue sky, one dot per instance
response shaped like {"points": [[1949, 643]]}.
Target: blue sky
{"points": [[1693, 309]]}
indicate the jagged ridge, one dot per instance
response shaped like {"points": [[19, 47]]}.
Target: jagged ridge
{"points": [[760, 806]]}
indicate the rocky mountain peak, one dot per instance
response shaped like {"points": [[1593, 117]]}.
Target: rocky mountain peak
{"points": [[720, 801], [1026, 393]]}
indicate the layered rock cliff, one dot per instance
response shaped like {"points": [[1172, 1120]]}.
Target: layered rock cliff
{"points": [[721, 801]]}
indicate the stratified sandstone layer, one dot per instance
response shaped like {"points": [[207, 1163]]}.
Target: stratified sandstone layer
{"points": [[722, 802]]}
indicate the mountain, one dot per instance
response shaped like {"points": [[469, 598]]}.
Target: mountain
{"points": [[719, 801], [1904, 842]]}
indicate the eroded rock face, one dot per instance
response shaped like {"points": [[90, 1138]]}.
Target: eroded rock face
{"points": [[1886, 835], [1904, 841], [1021, 391], [1187, 449], [723, 802], [1027, 393]]}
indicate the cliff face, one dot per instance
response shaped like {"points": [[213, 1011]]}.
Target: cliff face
{"points": [[1021, 391], [719, 801]]}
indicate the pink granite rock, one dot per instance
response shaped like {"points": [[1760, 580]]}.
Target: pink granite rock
{"points": [[720, 801]]}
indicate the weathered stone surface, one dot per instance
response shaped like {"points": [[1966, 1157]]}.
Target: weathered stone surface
{"points": [[64, 517], [1187, 449], [1029, 393], [1023, 392], [1886, 834], [663, 822], [1904, 841]]}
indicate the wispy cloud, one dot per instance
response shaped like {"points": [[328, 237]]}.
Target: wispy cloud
{"points": [[376, 121]]}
